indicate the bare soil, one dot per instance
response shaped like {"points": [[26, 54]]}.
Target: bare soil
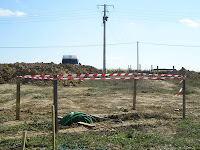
{"points": [[156, 113]]}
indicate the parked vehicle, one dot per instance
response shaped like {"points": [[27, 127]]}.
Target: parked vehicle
{"points": [[70, 59]]}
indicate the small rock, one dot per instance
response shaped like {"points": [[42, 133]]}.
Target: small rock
{"points": [[176, 109]]}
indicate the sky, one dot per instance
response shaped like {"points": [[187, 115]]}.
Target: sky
{"points": [[168, 32]]}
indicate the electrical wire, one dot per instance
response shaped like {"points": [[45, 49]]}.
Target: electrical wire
{"points": [[161, 44], [174, 13], [138, 14], [43, 17], [97, 45]]}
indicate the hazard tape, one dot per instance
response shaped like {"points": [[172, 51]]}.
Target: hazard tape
{"points": [[161, 75], [117, 74], [29, 77], [99, 75], [179, 92], [35, 76], [126, 78]]}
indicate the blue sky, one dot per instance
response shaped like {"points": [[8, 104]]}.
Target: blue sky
{"points": [[168, 32]]}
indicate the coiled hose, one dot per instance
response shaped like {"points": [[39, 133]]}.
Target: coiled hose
{"points": [[75, 117]]}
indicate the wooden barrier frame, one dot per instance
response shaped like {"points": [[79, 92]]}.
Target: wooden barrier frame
{"points": [[55, 95], [55, 84], [135, 92]]}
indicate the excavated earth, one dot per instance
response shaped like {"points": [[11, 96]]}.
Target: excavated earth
{"points": [[9, 72]]}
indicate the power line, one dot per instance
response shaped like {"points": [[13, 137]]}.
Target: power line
{"points": [[40, 47], [95, 45], [176, 45], [64, 46], [43, 17], [153, 12], [137, 14], [49, 20], [51, 14]]}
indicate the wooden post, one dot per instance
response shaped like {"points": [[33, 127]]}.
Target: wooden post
{"points": [[157, 69], [134, 93], [18, 100], [53, 128], [55, 95], [184, 108], [24, 140]]}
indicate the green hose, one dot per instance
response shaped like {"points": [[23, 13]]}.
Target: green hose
{"points": [[75, 117]]}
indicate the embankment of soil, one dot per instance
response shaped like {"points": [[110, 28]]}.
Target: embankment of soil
{"points": [[9, 72]]}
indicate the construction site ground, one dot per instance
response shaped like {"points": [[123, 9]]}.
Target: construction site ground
{"points": [[158, 110]]}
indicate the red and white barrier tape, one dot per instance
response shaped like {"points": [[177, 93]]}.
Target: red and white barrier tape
{"points": [[116, 74], [29, 77], [126, 78], [160, 75], [99, 75], [179, 92], [35, 76]]}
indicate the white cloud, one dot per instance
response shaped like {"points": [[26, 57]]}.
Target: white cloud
{"points": [[190, 22], [7, 12], [20, 13]]}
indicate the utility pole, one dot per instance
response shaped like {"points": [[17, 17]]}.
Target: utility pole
{"points": [[105, 18]]}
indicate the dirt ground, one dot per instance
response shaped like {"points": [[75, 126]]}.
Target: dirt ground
{"points": [[155, 112]]}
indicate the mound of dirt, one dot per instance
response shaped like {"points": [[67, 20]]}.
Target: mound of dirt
{"points": [[193, 75], [189, 74], [9, 72]]}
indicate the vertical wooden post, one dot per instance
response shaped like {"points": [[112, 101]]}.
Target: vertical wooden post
{"points": [[55, 95], [184, 108], [157, 69], [18, 100], [24, 140], [134, 93], [53, 128]]}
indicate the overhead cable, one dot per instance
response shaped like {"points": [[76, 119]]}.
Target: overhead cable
{"points": [[95, 45]]}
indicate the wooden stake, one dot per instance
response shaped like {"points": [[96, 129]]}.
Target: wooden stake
{"points": [[157, 69], [23, 140], [184, 108], [86, 124], [18, 100], [55, 102], [53, 128], [134, 93]]}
